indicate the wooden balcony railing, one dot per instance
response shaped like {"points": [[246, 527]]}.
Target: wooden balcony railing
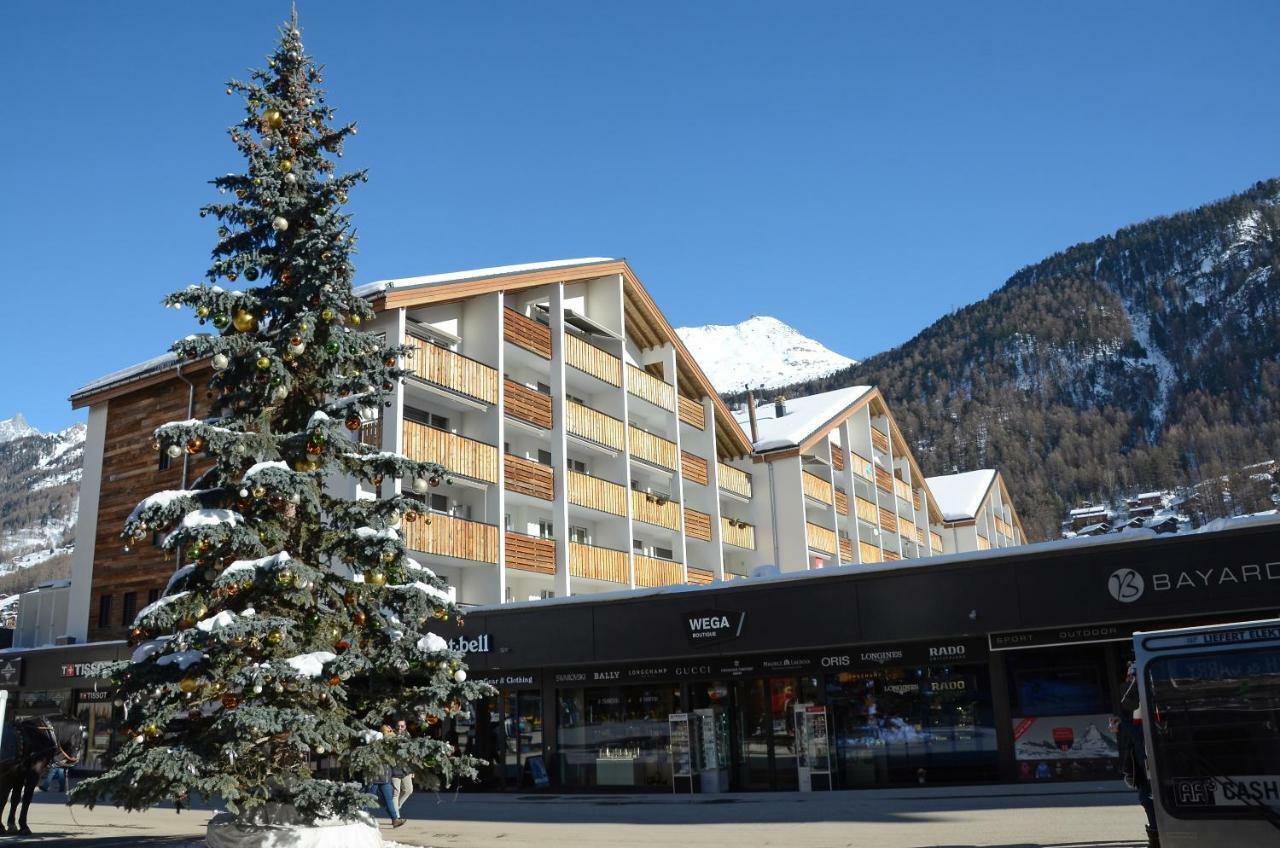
{"points": [[458, 454], [890, 556], [919, 535], [737, 533], [533, 336], [983, 543], [879, 440], [590, 359], [901, 489], [868, 552], [529, 553], [863, 467], [651, 448], [594, 493], [815, 487], [884, 481], [645, 386], [867, 511], [820, 538], [733, 480], [651, 571], [842, 502], [888, 521], [598, 563], [528, 477], [453, 371], [522, 402], [837, 457], [916, 499], [646, 508], [371, 433], [935, 540], [846, 549], [1004, 527], [693, 468], [588, 423], [444, 535], [697, 525], [699, 576], [692, 413]]}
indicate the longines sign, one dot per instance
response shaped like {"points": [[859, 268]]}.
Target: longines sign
{"points": [[713, 627]]}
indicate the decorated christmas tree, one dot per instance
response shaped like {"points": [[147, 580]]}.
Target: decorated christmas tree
{"points": [[298, 624]]}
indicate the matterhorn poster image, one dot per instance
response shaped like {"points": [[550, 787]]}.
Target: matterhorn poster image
{"points": [[1065, 747]]}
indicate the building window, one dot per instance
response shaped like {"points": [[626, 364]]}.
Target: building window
{"points": [[544, 456], [421, 416], [506, 523], [438, 503], [545, 529], [544, 388], [579, 466], [164, 461], [104, 611], [581, 535], [153, 595], [664, 553], [129, 609]]}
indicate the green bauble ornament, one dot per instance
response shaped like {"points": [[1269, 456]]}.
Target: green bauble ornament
{"points": [[221, 321]]}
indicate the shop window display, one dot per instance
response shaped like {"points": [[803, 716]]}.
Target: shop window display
{"points": [[616, 735]]}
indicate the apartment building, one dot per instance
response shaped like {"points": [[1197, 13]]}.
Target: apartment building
{"points": [[977, 511], [587, 452]]}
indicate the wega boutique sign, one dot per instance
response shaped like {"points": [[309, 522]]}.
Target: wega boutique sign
{"points": [[713, 627]]}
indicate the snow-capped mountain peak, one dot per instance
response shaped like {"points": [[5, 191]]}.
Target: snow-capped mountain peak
{"points": [[762, 352], [16, 428]]}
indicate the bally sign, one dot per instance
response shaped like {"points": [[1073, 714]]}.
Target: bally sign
{"points": [[710, 627]]}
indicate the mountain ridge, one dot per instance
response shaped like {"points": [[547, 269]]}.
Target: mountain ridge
{"points": [[761, 351]]}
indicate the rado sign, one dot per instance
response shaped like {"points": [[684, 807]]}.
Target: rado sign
{"points": [[712, 627]]}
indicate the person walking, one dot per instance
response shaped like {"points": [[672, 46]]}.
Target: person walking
{"points": [[401, 778], [381, 788], [1133, 753]]}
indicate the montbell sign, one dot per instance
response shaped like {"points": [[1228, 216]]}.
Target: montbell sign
{"points": [[711, 627]]}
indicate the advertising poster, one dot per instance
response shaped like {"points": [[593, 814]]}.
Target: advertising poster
{"points": [[1065, 747]]}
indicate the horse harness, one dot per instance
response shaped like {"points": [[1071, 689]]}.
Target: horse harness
{"points": [[64, 758]]}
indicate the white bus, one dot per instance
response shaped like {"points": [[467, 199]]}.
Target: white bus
{"points": [[1211, 719]]}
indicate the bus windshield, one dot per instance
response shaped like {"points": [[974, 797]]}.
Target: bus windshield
{"points": [[1215, 730]]}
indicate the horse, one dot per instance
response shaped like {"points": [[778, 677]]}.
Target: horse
{"points": [[30, 746]]}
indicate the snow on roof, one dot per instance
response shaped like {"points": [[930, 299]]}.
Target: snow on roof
{"points": [[1090, 510], [959, 496], [370, 289], [1093, 528], [1145, 495], [804, 415], [124, 375]]}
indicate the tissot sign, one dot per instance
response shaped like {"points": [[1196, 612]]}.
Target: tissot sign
{"points": [[1128, 585], [712, 627]]}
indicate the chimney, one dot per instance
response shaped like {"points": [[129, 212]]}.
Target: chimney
{"points": [[779, 406], [751, 413]]}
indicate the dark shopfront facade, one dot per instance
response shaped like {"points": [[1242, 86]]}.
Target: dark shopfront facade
{"points": [[1005, 666]]}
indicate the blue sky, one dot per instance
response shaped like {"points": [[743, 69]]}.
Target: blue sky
{"points": [[854, 169]]}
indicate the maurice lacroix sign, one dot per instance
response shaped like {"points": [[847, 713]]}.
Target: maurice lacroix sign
{"points": [[711, 627]]}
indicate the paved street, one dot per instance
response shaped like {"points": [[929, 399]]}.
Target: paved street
{"points": [[1043, 816]]}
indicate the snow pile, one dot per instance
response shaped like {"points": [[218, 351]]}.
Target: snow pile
{"points": [[312, 664], [162, 601], [761, 352], [182, 659], [432, 644]]}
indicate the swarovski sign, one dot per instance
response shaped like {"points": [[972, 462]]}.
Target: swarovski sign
{"points": [[1126, 585], [709, 627]]}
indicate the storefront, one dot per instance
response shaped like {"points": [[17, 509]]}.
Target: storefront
{"points": [[1001, 666]]}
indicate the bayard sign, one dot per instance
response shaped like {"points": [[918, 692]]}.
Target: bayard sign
{"points": [[713, 627]]}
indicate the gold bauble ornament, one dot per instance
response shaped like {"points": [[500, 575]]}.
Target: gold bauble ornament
{"points": [[245, 321], [264, 363], [376, 578], [273, 118], [189, 684], [275, 637], [286, 165], [202, 312]]}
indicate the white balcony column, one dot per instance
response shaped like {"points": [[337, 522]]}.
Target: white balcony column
{"points": [[493, 432], [846, 479], [710, 453], [396, 328], [666, 355], [87, 524], [629, 518], [790, 527], [559, 443]]}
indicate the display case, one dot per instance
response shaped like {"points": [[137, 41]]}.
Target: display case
{"points": [[712, 759]]}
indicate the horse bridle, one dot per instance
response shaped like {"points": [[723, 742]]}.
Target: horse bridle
{"points": [[66, 759]]}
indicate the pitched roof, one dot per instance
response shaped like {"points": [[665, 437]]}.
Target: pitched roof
{"points": [[803, 417], [960, 496], [154, 365], [382, 286]]}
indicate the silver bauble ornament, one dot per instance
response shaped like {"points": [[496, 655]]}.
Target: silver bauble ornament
{"points": [[279, 224], [460, 676], [221, 361], [420, 485]]}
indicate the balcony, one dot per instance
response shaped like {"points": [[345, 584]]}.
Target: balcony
{"points": [[658, 572], [533, 336], [740, 534], [920, 536], [645, 386], [520, 401], [652, 509], [733, 480], [651, 448], [693, 468], [891, 556], [820, 538], [590, 359], [460, 455], [444, 535], [598, 563], [915, 499], [868, 552], [371, 433], [815, 487], [842, 502], [901, 489], [590, 424], [699, 576], [867, 511], [984, 543], [837, 457], [863, 467], [530, 553], [884, 480], [1004, 527], [846, 549], [692, 413], [888, 521], [594, 493], [453, 371], [935, 541], [697, 525], [528, 477], [879, 440]]}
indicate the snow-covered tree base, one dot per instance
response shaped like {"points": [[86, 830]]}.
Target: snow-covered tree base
{"points": [[280, 826]]}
